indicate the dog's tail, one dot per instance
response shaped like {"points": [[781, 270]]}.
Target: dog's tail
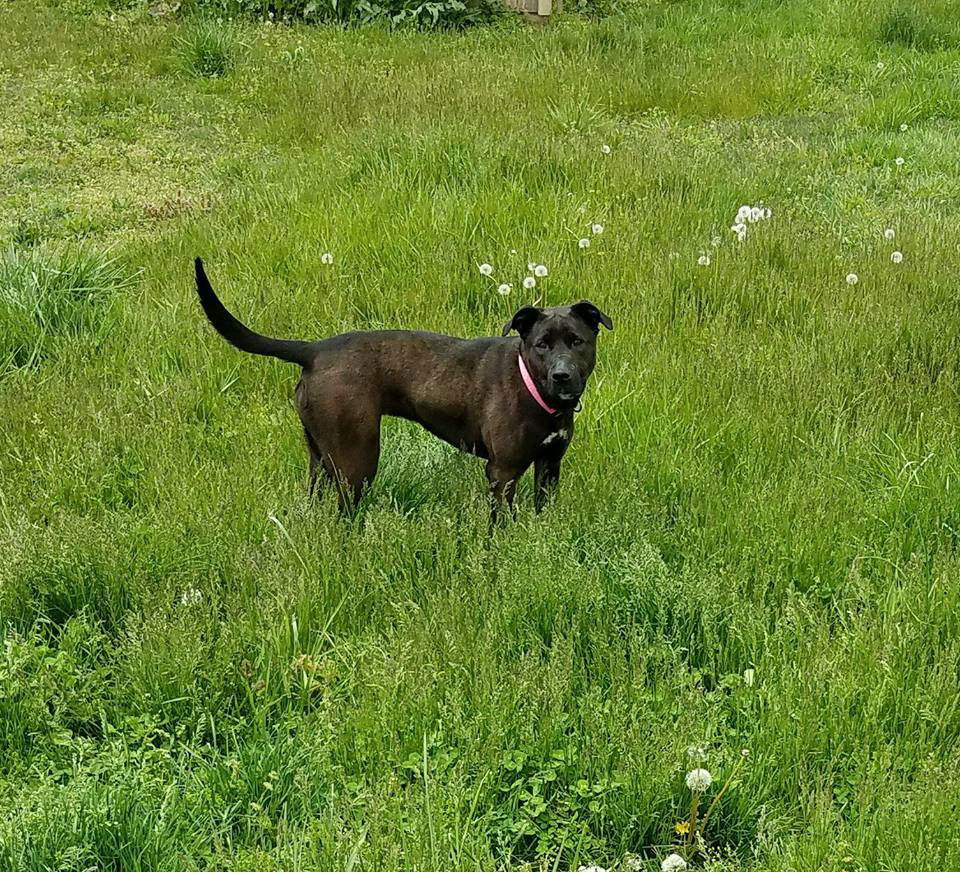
{"points": [[242, 337]]}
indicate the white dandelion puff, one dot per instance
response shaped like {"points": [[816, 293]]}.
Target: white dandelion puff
{"points": [[190, 597], [740, 229], [744, 752], [889, 233], [486, 269], [584, 243], [899, 161], [673, 863], [703, 260], [529, 282], [326, 258], [756, 214], [605, 148], [596, 229], [699, 780], [852, 278], [767, 213], [540, 271], [531, 266], [743, 213], [513, 251], [505, 289], [881, 65], [897, 257], [748, 677], [903, 127]]}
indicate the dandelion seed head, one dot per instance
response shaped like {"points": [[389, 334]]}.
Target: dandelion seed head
{"points": [[540, 271], [326, 258], [531, 266], [584, 243], [190, 597], [748, 677], [897, 257], [673, 863], [699, 780], [744, 752], [605, 148], [486, 269], [704, 260], [756, 214], [597, 229], [743, 213], [852, 278], [889, 233], [529, 282], [504, 289], [899, 161], [903, 127]]}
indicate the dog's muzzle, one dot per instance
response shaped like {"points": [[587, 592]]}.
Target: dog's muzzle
{"points": [[565, 383]]}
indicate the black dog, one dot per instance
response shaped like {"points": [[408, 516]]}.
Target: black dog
{"points": [[509, 401]]}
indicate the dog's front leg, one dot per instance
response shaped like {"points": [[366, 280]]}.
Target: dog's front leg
{"points": [[546, 479], [546, 468], [503, 487]]}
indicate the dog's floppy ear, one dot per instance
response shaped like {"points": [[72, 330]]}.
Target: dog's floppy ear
{"points": [[523, 321], [592, 315]]}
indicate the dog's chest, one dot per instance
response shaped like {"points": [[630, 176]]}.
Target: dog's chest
{"points": [[558, 438]]}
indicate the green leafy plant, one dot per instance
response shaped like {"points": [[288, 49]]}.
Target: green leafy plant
{"points": [[545, 806]]}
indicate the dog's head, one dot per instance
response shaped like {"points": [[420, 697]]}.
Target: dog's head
{"points": [[560, 348]]}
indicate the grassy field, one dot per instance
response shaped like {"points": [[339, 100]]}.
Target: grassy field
{"points": [[756, 540]]}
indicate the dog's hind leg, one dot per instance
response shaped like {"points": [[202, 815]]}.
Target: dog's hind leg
{"points": [[348, 452], [353, 474], [316, 465]]}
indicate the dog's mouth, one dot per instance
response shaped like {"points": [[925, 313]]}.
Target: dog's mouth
{"points": [[567, 399]]}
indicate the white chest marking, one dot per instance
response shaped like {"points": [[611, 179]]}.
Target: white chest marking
{"points": [[560, 435]]}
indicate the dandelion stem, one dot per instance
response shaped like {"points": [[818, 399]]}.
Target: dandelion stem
{"points": [[716, 799], [692, 829]]}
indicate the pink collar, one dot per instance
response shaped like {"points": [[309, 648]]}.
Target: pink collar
{"points": [[532, 388]]}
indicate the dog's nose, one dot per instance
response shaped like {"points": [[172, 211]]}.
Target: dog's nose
{"points": [[561, 377]]}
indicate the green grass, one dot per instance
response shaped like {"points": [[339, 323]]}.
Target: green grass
{"points": [[207, 49], [42, 300], [200, 670]]}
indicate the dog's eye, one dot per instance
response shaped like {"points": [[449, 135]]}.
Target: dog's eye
{"points": [[542, 345], [575, 341]]}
